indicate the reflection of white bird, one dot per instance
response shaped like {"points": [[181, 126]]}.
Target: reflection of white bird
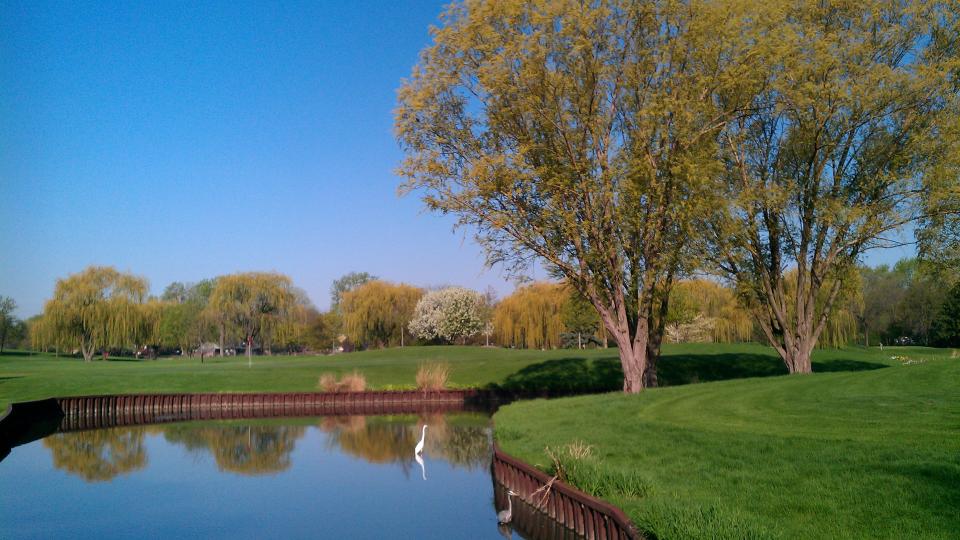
{"points": [[419, 449], [504, 516], [423, 469]]}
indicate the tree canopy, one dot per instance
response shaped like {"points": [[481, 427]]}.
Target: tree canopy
{"points": [[449, 314], [347, 283], [851, 126], [532, 317], [583, 135], [94, 309], [378, 312], [8, 323], [257, 304]]}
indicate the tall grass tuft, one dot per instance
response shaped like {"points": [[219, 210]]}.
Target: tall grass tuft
{"points": [[576, 465], [328, 382], [351, 382], [433, 376]]}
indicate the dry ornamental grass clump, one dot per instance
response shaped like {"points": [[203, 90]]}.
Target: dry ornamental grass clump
{"points": [[351, 382], [433, 376]]}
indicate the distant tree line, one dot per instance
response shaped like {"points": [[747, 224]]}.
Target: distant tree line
{"points": [[908, 303], [101, 310]]}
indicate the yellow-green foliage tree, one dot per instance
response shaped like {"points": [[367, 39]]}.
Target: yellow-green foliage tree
{"points": [[257, 304], [711, 307], [583, 135], [580, 317], [531, 317], [292, 335], [323, 330], [840, 327], [377, 313], [148, 331], [850, 134], [95, 309]]}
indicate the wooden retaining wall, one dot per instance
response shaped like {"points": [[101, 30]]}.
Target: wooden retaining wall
{"points": [[583, 514], [90, 412]]}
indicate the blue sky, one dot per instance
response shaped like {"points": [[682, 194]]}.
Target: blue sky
{"points": [[187, 141], [183, 140]]}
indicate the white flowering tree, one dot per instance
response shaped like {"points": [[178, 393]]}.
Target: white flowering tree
{"points": [[452, 313]]}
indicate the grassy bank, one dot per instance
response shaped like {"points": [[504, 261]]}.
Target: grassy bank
{"points": [[25, 377], [873, 453]]}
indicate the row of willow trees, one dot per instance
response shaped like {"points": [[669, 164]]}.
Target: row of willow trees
{"points": [[101, 309]]}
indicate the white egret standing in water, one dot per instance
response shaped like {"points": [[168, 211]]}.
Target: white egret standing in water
{"points": [[419, 449], [504, 516]]}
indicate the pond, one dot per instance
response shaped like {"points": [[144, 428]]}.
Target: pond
{"points": [[326, 477]]}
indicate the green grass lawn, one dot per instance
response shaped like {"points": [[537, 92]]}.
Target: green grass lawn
{"points": [[27, 377], [870, 453]]}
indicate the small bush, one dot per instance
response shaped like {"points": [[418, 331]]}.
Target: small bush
{"points": [[433, 376], [351, 382]]}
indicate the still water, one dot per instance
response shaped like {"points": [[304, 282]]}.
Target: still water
{"points": [[330, 477]]}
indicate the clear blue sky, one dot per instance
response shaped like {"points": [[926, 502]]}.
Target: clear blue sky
{"points": [[186, 141], [183, 141]]}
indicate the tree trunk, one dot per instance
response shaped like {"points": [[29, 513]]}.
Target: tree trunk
{"points": [[797, 359], [653, 355], [87, 351], [223, 331], [579, 341], [633, 362], [249, 350]]}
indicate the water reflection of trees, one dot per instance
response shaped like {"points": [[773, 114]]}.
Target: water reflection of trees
{"points": [[250, 450], [102, 454], [98, 455], [388, 440]]}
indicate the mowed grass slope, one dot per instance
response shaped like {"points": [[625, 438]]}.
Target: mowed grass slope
{"points": [[27, 377], [865, 454]]}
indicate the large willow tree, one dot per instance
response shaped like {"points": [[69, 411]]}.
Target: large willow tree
{"points": [[96, 309], [851, 135], [258, 305], [378, 312], [532, 317], [582, 135]]}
